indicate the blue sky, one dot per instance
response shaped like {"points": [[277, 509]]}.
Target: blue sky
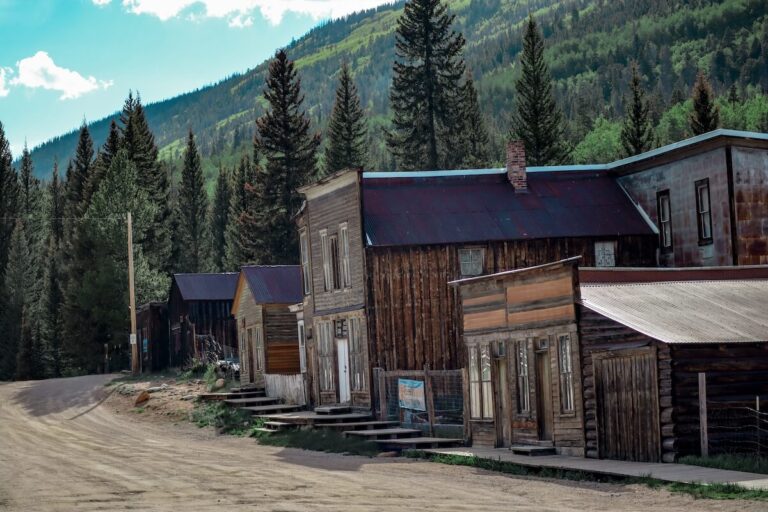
{"points": [[62, 61]]}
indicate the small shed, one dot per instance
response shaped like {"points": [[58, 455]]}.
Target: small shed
{"points": [[268, 330], [152, 335]]}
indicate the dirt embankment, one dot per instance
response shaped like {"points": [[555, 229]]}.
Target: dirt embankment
{"points": [[64, 447]]}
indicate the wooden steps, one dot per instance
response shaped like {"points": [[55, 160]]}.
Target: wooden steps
{"points": [[383, 433], [333, 409], [419, 442], [310, 418], [358, 425], [256, 400], [231, 395], [532, 450], [259, 410]]}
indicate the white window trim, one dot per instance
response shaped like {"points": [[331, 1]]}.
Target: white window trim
{"points": [[523, 380], [565, 363], [346, 276], [302, 346], [325, 249], [306, 278]]}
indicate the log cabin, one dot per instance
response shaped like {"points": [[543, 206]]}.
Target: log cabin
{"points": [[266, 327], [199, 313], [606, 362], [379, 248]]}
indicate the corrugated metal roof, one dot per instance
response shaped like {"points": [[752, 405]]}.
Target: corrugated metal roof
{"points": [[733, 311], [207, 286], [279, 284], [470, 207]]}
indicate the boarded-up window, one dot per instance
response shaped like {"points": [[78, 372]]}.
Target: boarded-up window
{"points": [[480, 391], [325, 355], [471, 261], [302, 347], [304, 248], [325, 249], [258, 339], [357, 355], [523, 387], [566, 373], [605, 254], [485, 377], [346, 277], [703, 211], [665, 221]]}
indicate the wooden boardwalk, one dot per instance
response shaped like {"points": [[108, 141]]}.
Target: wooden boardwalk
{"points": [[661, 471]]}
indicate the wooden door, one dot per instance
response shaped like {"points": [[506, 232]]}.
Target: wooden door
{"points": [[342, 356], [626, 389], [504, 412], [249, 348], [544, 396]]}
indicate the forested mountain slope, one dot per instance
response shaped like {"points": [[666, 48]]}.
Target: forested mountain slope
{"points": [[589, 46]]}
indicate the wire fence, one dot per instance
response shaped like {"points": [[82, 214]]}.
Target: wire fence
{"points": [[737, 428], [430, 400]]}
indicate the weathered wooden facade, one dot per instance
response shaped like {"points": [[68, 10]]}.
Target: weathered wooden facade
{"points": [[378, 250], [266, 327], [199, 314], [606, 362], [153, 336], [708, 195]]}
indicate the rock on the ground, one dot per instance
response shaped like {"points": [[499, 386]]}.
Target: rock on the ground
{"points": [[189, 397], [218, 384], [155, 389], [142, 398]]}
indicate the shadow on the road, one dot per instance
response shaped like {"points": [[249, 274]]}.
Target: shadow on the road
{"points": [[325, 461], [54, 396]]}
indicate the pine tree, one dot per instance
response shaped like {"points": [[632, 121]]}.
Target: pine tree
{"points": [[102, 162], [706, 114], [8, 193], [537, 120], [81, 173], [475, 135], [347, 131], [19, 279], [192, 210], [426, 87], [220, 219], [28, 361], [289, 150], [238, 205], [53, 291], [636, 134]]}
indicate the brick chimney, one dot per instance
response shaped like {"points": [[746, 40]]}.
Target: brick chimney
{"points": [[516, 166]]}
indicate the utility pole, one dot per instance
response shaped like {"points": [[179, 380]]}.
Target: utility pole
{"points": [[132, 300]]}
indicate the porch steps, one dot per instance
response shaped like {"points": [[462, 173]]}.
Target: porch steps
{"points": [[416, 443], [278, 426], [231, 395], [256, 400], [383, 433], [358, 425], [333, 409], [259, 410], [532, 450], [310, 418]]}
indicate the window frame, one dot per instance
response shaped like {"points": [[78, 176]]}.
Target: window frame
{"points": [[346, 275], [602, 243], [306, 277], [469, 251], [326, 255], [302, 333], [703, 215], [258, 344], [565, 377], [523, 377], [481, 405], [665, 226], [358, 369], [334, 263]]}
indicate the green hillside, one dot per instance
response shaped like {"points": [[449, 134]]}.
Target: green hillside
{"points": [[590, 43]]}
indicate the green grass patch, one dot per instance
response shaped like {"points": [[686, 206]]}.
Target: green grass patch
{"points": [[226, 420], [699, 491], [733, 462], [318, 440]]}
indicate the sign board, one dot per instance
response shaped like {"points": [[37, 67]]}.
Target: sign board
{"points": [[410, 394], [133, 339]]}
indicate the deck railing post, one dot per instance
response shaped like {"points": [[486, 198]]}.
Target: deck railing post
{"points": [[757, 423], [703, 414]]}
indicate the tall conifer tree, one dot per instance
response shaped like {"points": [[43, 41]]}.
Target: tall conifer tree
{"points": [[283, 137], [192, 211], [220, 219], [8, 193], [53, 291], [426, 87], [636, 134], [19, 280], [347, 131], [706, 114], [239, 204], [537, 120], [474, 133]]}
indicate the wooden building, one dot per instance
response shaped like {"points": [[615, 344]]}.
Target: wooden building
{"points": [[378, 250], [199, 313], [266, 327], [606, 362], [153, 336]]}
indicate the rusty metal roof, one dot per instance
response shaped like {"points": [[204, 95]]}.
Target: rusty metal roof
{"points": [[716, 311], [274, 284], [472, 206], [207, 286]]}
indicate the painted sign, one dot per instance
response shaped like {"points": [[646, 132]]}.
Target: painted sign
{"points": [[410, 394]]}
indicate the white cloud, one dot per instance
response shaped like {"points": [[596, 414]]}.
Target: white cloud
{"points": [[4, 74], [237, 12], [39, 71], [101, 2]]}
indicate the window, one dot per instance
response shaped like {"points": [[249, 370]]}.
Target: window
{"points": [[471, 262], [703, 211], [259, 344], [665, 221], [325, 248], [605, 254], [357, 355], [304, 248], [566, 373], [335, 270], [523, 391], [480, 392], [302, 347], [325, 354], [346, 277]]}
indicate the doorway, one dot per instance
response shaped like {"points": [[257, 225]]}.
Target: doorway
{"points": [[543, 394], [342, 354]]}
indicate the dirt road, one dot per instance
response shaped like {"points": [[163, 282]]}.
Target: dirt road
{"points": [[61, 449]]}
